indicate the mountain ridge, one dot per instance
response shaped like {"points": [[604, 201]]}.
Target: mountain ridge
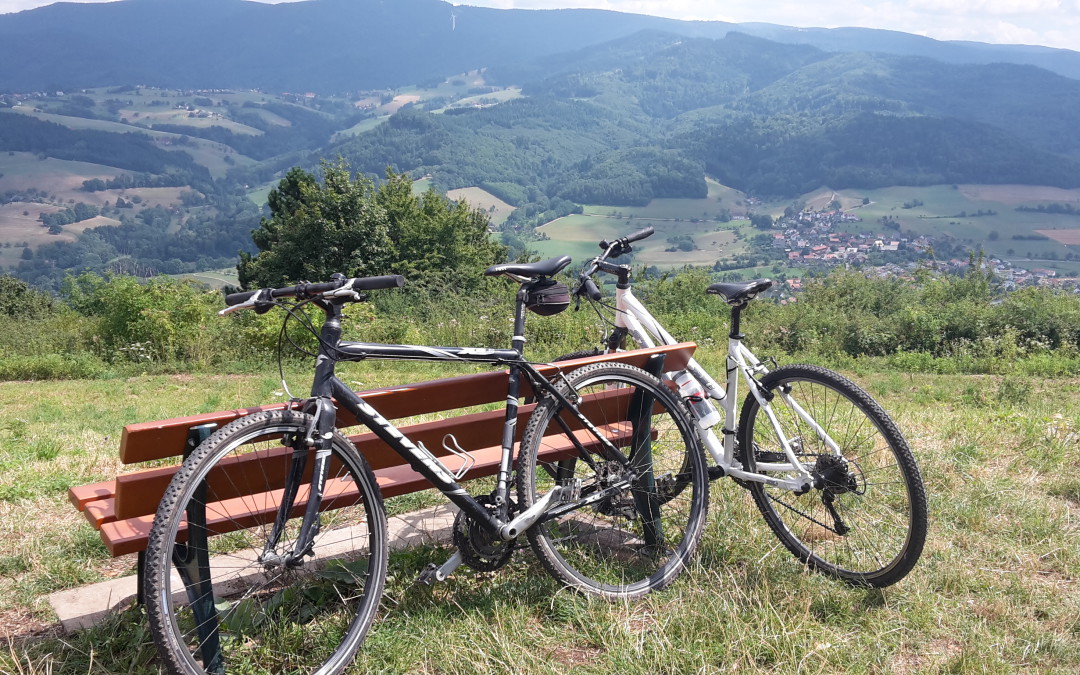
{"points": [[336, 46]]}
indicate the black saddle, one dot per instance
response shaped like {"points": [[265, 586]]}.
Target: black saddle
{"points": [[739, 294]]}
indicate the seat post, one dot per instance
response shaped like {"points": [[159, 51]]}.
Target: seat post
{"points": [[518, 341], [736, 322]]}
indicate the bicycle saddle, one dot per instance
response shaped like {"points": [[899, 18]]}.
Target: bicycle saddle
{"points": [[544, 268], [739, 294]]}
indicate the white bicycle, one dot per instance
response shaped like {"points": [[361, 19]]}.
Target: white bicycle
{"points": [[827, 467]]}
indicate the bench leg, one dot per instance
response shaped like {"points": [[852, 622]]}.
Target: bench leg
{"points": [[192, 561], [644, 487], [196, 435]]}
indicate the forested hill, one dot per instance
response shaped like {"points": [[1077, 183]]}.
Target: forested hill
{"points": [[330, 46], [647, 116]]}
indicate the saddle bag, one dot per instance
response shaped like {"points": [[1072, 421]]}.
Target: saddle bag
{"points": [[547, 297]]}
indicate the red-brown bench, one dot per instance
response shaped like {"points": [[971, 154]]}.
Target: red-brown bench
{"points": [[123, 509]]}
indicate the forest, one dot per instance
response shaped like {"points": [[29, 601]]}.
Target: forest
{"points": [[618, 124]]}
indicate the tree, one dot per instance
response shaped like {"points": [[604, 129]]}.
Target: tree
{"points": [[19, 300], [437, 242], [762, 221], [352, 226], [318, 229]]}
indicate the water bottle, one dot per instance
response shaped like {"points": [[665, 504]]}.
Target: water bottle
{"points": [[689, 388]]}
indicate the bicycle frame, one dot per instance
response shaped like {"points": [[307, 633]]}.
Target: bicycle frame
{"points": [[328, 388], [635, 319]]}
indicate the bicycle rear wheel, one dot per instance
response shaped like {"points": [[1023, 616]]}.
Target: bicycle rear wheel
{"points": [[866, 520], [631, 532], [232, 604]]}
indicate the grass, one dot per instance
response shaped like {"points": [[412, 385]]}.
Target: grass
{"points": [[997, 590]]}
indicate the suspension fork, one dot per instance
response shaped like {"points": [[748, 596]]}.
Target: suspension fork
{"points": [[318, 440]]}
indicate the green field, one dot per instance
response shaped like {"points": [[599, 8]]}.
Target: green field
{"points": [[937, 216], [578, 236], [360, 127], [214, 278]]}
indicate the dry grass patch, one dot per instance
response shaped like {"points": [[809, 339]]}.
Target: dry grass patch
{"points": [[1067, 237]]}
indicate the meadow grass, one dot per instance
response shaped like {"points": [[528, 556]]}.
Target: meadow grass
{"points": [[997, 589]]}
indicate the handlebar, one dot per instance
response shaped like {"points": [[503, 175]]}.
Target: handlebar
{"points": [[340, 287], [589, 289], [586, 286], [625, 241]]}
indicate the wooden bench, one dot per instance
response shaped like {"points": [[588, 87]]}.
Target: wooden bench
{"points": [[122, 510]]}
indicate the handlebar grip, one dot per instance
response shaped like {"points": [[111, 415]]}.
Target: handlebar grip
{"points": [[590, 289], [375, 283], [237, 298], [637, 236]]}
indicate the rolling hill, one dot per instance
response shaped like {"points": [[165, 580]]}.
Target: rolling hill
{"points": [[548, 112]]}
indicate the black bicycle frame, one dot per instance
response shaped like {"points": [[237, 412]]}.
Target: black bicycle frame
{"points": [[327, 386]]}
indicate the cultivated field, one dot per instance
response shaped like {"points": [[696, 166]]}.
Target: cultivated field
{"points": [[1067, 237], [498, 210], [950, 211], [60, 178]]}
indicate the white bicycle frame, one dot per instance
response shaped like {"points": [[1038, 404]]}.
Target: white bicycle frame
{"points": [[647, 331]]}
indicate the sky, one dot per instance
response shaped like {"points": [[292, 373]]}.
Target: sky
{"points": [[1051, 23]]}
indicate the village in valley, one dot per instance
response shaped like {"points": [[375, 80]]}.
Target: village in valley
{"points": [[818, 240]]}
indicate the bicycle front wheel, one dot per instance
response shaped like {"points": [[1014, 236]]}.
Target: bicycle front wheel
{"points": [[637, 492], [235, 601], [865, 521]]}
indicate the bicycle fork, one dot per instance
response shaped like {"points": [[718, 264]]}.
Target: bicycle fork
{"points": [[317, 441]]}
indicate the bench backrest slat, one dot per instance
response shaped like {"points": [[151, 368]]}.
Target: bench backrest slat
{"points": [[148, 441], [138, 493]]}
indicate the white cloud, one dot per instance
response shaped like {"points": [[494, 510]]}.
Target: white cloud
{"points": [[992, 7]]}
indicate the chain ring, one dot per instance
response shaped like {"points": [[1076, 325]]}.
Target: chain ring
{"points": [[478, 549]]}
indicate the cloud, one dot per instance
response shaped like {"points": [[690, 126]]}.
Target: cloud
{"points": [[986, 7]]}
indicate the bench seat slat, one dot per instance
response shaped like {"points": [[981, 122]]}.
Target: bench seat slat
{"points": [[129, 536], [81, 495], [100, 511]]}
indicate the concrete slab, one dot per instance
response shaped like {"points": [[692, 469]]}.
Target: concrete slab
{"points": [[83, 607]]}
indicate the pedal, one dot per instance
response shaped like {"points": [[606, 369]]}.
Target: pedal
{"points": [[433, 573], [427, 576]]}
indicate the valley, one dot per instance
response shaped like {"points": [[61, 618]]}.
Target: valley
{"points": [[719, 139]]}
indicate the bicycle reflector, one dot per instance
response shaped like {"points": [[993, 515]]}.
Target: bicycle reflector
{"points": [[547, 297]]}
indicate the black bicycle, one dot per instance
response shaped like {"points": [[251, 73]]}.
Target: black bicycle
{"points": [[269, 549]]}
